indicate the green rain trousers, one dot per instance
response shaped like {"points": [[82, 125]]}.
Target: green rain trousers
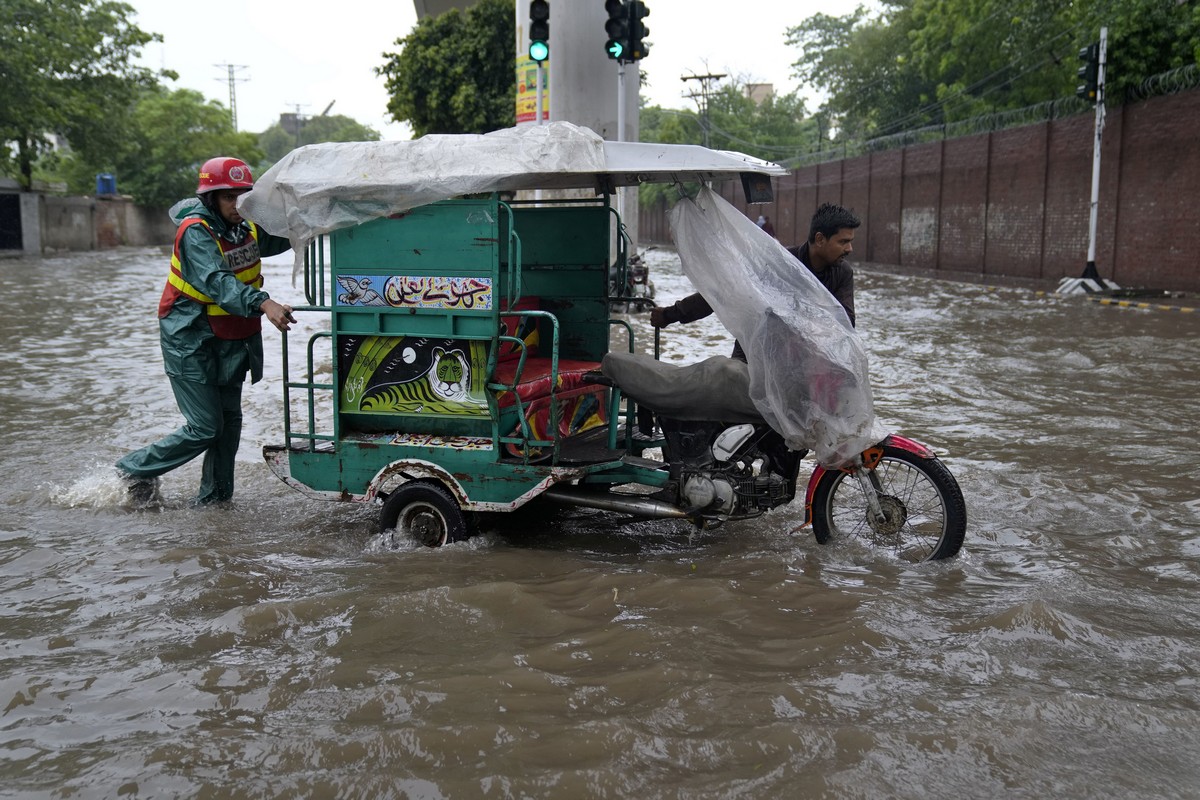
{"points": [[213, 416], [206, 373]]}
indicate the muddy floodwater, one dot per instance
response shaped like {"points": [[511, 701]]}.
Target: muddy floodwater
{"points": [[276, 647]]}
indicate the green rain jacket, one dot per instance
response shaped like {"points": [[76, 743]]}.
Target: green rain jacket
{"points": [[191, 351]]}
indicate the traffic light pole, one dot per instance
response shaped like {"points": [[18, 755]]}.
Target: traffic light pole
{"points": [[1090, 271], [620, 101], [540, 80], [621, 130], [1094, 57]]}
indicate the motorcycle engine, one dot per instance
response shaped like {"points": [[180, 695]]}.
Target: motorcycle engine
{"points": [[725, 472], [709, 491]]}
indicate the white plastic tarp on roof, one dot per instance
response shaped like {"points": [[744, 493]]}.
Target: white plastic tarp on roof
{"points": [[808, 367], [320, 188]]}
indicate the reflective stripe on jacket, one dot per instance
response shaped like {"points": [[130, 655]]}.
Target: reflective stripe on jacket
{"points": [[243, 260]]}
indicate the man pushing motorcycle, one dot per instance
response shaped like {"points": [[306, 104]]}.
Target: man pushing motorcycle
{"points": [[830, 241], [735, 433]]}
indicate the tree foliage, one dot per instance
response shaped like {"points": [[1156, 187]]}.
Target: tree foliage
{"points": [[456, 73], [776, 129], [68, 68], [277, 142], [922, 62], [167, 136], [174, 133]]}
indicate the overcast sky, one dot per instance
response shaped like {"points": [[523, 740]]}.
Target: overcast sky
{"points": [[303, 55]]}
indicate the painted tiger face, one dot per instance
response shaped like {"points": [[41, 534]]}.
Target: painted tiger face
{"points": [[450, 375]]}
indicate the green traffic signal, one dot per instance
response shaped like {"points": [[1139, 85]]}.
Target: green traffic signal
{"points": [[539, 30], [617, 28]]}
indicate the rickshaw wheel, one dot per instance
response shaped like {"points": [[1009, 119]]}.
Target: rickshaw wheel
{"points": [[426, 512]]}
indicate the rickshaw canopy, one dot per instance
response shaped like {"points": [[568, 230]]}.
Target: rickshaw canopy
{"points": [[320, 188]]}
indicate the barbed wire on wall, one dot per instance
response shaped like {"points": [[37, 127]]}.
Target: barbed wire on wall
{"points": [[1176, 80]]}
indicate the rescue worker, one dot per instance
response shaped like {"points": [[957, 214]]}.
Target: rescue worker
{"points": [[210, 323]]}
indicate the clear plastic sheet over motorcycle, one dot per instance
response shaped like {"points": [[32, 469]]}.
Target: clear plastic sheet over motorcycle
{"points": [[809, 374]]}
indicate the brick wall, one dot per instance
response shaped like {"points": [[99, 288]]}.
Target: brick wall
{"points": [[1014, 202]]}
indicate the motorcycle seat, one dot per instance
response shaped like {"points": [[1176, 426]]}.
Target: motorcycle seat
{"points": [[717, 388]]}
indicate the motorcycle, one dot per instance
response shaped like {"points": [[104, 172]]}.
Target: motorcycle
{"points": [[897, 495]]}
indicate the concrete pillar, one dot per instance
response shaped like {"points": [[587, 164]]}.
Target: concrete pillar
{"points": [[31, 223]]}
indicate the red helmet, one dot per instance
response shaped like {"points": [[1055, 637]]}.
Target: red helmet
{"points": [[223, 172]]}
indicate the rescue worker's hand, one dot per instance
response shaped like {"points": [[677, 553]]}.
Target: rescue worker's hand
{"points": [[279, 314], [658, 317]]}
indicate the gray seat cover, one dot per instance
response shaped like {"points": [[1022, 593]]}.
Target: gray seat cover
{"points": [[717, 388]]}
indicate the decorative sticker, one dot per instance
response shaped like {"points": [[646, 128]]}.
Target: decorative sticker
{"points": [[416, 291], [412, 375]]}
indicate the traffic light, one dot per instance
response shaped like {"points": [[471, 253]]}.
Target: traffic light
{"points": [[1089, 73], [539, 30], [617, 28], [638, 47]]}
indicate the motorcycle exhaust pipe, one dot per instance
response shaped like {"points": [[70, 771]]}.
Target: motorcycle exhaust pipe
{"points": [[607, 501]]}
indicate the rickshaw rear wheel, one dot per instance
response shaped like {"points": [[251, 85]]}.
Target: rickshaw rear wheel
{"points": [[425, 511]]}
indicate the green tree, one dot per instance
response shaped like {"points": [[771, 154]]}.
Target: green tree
{"points": [[277, 142], [67, 68], [176, 132], [1145, 38], [169, 135], [864, 63], [923, 62], [775, 129], [456, 73]]}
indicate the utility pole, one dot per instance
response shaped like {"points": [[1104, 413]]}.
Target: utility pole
{"points": [[701, 97], [298, 119], [232, 69]]}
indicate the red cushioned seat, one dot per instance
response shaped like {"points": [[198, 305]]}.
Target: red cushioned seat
{"points": [[535, 378]]}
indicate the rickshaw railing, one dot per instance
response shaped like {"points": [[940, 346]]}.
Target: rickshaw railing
{"points": [[621, 278], [526, 440], [310, 386], [314, 277], [614, 411], [514, 257]]}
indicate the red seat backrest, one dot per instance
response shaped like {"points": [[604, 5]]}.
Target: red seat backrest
{"points": [[522, 327]]}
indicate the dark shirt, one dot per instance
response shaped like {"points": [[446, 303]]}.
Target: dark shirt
{"points": [[837, 278]]}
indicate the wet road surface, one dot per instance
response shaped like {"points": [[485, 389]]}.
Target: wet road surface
{"points": [[276, 648]]}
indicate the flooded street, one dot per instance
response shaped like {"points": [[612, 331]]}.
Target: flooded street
{"points": [[274, 648]]}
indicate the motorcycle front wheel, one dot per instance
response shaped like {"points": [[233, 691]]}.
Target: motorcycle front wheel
{"points": [[925, 516]]}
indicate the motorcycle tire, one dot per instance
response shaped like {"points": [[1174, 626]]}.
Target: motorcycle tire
{"points": [[926, 516]]}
